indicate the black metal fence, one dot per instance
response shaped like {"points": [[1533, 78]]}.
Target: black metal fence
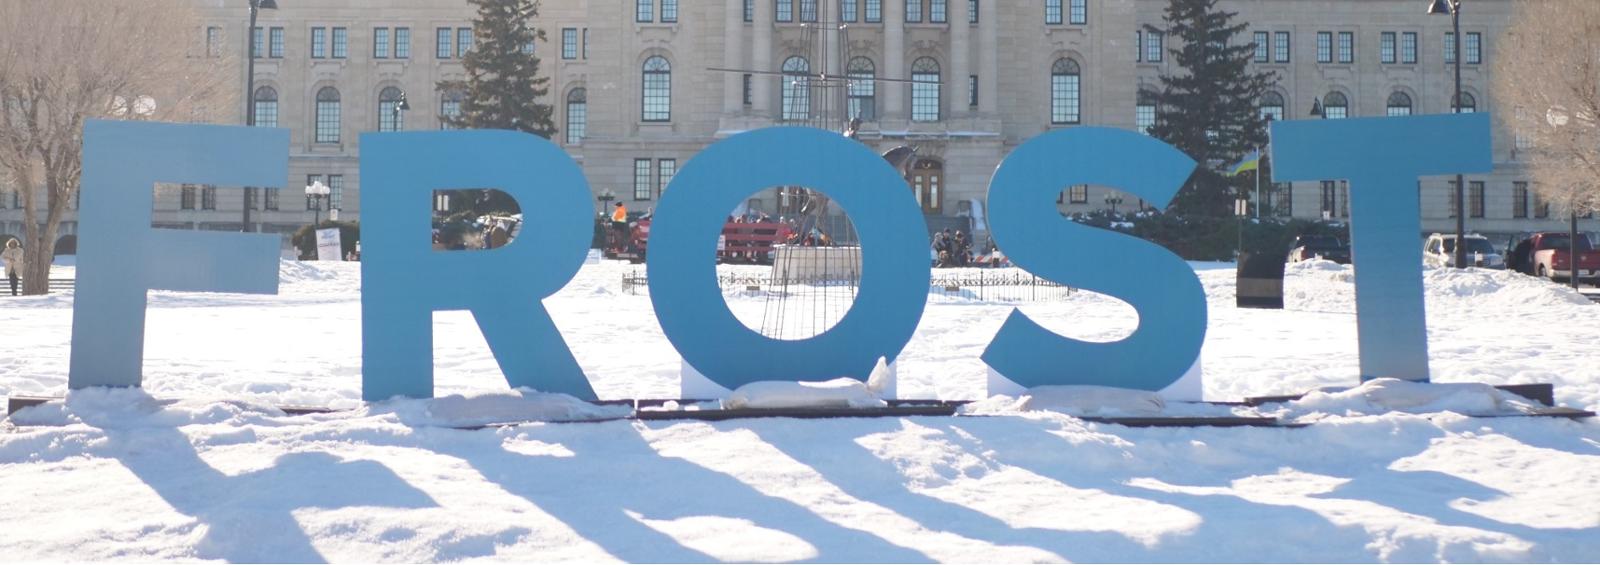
{"points": [[1007, 285]]}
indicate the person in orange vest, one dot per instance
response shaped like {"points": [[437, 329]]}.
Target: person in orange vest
{"points": [[619, 227]]}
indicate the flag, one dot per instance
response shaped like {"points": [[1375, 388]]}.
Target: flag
{"points": [[1249, 163]]}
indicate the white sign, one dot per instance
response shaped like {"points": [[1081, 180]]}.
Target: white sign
{"points": [[329, 247]]}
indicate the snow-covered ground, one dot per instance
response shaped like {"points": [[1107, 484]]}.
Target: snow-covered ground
{"points": [[128, 477]]}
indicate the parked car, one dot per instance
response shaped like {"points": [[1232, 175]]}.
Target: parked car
{"points": [[1307, 247], [1547, 254], [1440, 251]]}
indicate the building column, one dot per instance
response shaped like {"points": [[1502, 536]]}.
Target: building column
{"points": [[733, 57], [960, 31], [761, 58], [989, 53], [894, 59]]}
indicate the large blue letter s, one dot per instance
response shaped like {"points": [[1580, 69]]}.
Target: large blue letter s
{"points": [[1158, 284]]}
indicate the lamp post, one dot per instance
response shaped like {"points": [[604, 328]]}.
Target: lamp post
{"points": [[605, 197], [250, 86], [399, 108], [1557, 118], [317, 192], [1112, 200], [1453, 8], [1316, 107]]}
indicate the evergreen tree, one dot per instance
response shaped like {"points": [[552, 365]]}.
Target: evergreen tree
{"points": [[503, 88], [1209, 103]]}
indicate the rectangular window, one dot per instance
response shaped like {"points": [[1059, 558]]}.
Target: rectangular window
{"points": [[319, 43], [213, 41], [185, 197], [972, 91], [269, 198], [748, 96], [1078, 194], [258, 44], [463, 41], [1541, 209], [972, 11], [442, 40], [641, 179], [643, 11], [1474, 48], [569, 43], [380, 43], [1519, 199], [208, 197], [749, 11], [402, 43], [1324, 47], [1153, 46], [1386, 47], [275, 43], [584, 53], [808, 10], [913, 11], [1347, 47], [1449, 47], [937, 11], [1475, 198], [1263, 47], [1280, 48], [335, 192], [874, 11], [341, 43], [784, 11], [1052, 11], [1408, 47], [1144, 117], [848, 10], [1080, 12], [665, 169], [669, 11], [1138, 46]]}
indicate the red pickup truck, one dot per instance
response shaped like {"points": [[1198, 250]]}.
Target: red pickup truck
{"points": [[1548, 254]]}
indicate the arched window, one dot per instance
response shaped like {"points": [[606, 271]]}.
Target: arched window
{"points": [[863, 91], [577, 115], [389, 113], [1065, 90], [327, 115], [1399, 104], [1272, 106], [656, 103], [1468, 104], [266, 107], [449, 107], [925, 87], [1144, 115], [1335, 106], [796, 95]]}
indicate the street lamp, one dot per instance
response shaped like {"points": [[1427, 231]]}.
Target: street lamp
{"points": [[402, 106], [1557, 118], [605, 197], [1112, 200], [250, 86], [1453, 8], [317, 191]]}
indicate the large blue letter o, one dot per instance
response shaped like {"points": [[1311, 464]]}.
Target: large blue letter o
{"points": [[683, 271]]}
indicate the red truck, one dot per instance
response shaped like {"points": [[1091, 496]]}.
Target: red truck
{"points": [[1548, 254], [742, 242]]}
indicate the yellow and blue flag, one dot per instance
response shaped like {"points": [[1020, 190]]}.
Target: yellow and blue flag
{"points": [[1250, 162]]}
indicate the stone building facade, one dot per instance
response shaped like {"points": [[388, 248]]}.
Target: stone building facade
{"points": [[636, 94]]}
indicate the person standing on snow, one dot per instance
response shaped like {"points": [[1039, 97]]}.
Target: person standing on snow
{"points": [[13, 258]]}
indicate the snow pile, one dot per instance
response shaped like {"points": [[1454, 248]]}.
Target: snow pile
{"points": [[1383, 396], [1504, 290], [521, 405], [1320, 268], [1096, 402], [837, 393], [126, 408]]}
